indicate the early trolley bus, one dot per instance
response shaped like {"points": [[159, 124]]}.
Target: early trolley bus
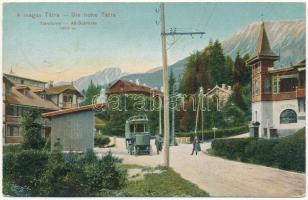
{"points": [[137, 135]]}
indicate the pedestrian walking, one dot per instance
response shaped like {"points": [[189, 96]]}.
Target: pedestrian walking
{"points": [[158, 144], [196, 146]]}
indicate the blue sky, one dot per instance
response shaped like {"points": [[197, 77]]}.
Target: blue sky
{"points": [[129, 40]]}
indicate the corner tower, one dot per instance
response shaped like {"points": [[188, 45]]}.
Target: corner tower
{"points": [[263, 59]]}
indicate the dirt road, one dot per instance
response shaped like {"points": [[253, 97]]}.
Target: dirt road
{"points": [[221, 177]]}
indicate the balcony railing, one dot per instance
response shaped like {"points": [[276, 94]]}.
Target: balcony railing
{"points": [[17, 120]]}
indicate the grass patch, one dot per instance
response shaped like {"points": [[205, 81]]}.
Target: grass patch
{"points": [[166, 184]]}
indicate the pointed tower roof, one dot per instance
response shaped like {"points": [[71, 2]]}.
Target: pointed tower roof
{"points": [[263, 50]]}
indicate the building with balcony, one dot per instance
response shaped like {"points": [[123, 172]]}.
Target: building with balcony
{"points": [[21, 94], [278, 94], [64, 96]]}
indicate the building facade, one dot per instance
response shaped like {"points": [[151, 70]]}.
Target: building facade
{"points": [[278, 94], [22, 94], [221, 94], [73, 128], [129, 87]]}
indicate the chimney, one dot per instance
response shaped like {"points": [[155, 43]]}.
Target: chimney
{"points": [[223, 86], [229, 88]]}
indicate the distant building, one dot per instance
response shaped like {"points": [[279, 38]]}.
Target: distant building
{"points": [[64, 96], [222, 94], [278, 94], [73, 128], [21, 94], [129, 87]]}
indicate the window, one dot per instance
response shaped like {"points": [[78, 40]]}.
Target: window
{"points": [[288, 84], [267, 87], [301, 105], [13, 110], [27, 92], [22, 81], [12, 130], [276, 88], [288, 116], [8, 90], [257, 87]]}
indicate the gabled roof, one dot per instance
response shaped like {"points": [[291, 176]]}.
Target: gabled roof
{"points": [[32, 99], [219, 88], [301, 64], [6, 80], [31, 79], [263, 50], [94, 107], [122, 86], [62, 88]]}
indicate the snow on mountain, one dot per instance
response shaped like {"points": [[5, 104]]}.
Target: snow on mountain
{"points": [[103, 77], [287, 38]]}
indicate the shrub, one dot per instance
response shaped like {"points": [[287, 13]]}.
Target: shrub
{"points": [[69, 175], [41, 173], [219, 133], [285, 153], [101, 140], [259, 151], [231, 148], [48, 144], [89, 156], [23, 168], [290, 152]]}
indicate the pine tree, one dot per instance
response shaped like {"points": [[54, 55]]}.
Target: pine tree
{"points": [[171, 83], [190, 85], [241, 73], [229, 70], [91, 92], [217, 63]]}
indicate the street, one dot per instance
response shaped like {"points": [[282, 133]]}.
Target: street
{"points": [[220, 177]]}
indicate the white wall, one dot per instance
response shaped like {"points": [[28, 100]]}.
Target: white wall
{"points": [[270, 111]]}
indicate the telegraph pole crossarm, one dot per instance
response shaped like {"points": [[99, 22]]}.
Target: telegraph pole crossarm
{"points": [[185, 33]]}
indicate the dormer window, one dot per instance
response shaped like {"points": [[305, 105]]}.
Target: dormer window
{"points": [[24, 90], [27, 92]]}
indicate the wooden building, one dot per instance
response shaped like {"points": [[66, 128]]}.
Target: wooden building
{"points": [[19, 97], [129, 87], [21, 94], [222, 94], [278, 94], [74, 128]]}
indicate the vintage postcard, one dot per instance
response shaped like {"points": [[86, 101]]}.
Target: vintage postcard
{"points": [[153, 99]]}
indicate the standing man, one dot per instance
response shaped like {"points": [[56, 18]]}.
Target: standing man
{"points": [[196, 146], [158, 144]]}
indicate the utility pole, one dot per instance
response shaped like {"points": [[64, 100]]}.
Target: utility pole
{"points": [[173, 116], [165, 84], [166, 77]]}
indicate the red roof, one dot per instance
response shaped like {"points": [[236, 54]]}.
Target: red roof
{"points": [[94, 107], [122, 86]]}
